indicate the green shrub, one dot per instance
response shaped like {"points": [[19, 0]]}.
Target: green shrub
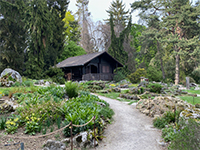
{"points": [[120, 74], [6, 92], [135, 77], [81, 110], [196, 75], [142, 90], [155, 87], [2, 123], [159, 122], [167, 118], [27, 83], [71, 89], [168, 133], [16, 84], [153, 74], [187, 138], [56, 74]]}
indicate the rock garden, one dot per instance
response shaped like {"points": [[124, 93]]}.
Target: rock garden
{"points": [[36, 108], [173, 107], [30, 113]]}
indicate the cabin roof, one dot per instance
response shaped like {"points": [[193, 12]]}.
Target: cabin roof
{"points": [[81, 60]]}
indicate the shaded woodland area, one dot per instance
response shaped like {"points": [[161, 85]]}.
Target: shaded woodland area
{"points": [[164, 46]]}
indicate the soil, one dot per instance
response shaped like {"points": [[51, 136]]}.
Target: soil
{"points": [[130, 130]]}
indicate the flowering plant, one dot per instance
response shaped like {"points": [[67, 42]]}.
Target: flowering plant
{"points": [[12, 125], [32, 124]]}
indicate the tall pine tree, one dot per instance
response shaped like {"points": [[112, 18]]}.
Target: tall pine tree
{"points": [[46, 28], [12, 34], [178, 26], [116, 48]]}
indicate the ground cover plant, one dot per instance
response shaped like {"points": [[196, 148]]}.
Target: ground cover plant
{"points": [[48, 107]]}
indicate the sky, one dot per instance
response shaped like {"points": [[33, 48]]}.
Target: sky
{"points": [[98, 9]]}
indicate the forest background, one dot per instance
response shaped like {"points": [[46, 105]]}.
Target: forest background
{"points": [[37, 34]]}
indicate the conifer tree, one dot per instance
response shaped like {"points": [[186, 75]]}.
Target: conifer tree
{"points": [[120, 16], [178, 25], [44, 20], [12, 34], [116, 48]]}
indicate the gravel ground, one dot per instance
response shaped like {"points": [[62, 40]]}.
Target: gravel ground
{"points": [[130, 130]]}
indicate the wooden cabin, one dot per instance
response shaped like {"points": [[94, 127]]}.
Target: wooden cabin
{"points": [[95, 66]]}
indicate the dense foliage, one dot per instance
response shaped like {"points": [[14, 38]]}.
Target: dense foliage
{"points": [[135, 77], [47, 106]]}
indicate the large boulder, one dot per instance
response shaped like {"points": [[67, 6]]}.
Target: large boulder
{"points": [[14, 74]]}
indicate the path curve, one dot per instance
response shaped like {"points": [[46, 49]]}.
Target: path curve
{"points": [[130, 130]]}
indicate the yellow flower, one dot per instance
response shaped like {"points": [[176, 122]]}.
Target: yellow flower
{"points": [[27, 118], [16, 119]]}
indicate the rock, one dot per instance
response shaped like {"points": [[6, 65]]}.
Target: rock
{"points": [[146, 112], [8, 106], [103, 91], [41, 82], [84, 139], [100, 103], [66, 140], [124, 86], [197, 105], [116, 89], [193, 85], [184, 92], [54, 145], [47, 83], [14, 74]]}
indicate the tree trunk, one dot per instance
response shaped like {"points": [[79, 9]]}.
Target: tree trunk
{"points": [[161, 61], [177, 69]]}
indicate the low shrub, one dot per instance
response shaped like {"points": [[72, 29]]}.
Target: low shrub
{"points": [[155, 87], [16, 84], [168, 133], [135, 77], [188, 138], [56, 74], [27, 83], [71, 89], [153, 74], [167, 118], [120, 73], [159, 122]]}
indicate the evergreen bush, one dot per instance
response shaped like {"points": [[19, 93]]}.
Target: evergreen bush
{"points": [[155, 87], [56, 74], [120, 74], [135, 77], [153, 74]]}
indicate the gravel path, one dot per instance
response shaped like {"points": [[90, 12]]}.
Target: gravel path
{"points": [[130, 130]]}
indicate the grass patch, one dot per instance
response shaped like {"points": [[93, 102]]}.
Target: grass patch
{"points": [[193, 91], [189, 99], [115, 96], [133, 101], [111, 95], [133, 85]]}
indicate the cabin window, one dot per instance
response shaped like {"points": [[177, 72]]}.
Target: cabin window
{"points": [[105, 69]]}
